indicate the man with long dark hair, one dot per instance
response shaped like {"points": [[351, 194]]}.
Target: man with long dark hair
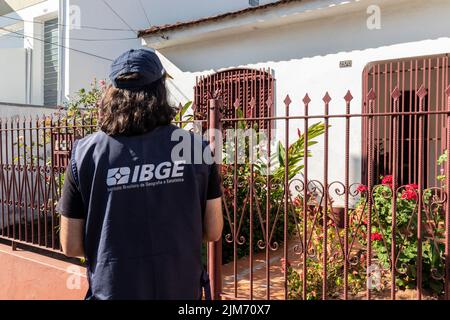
{"points": [[134, 212]]}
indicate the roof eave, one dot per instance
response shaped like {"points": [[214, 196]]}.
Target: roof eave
{"points": [[277, 16]]}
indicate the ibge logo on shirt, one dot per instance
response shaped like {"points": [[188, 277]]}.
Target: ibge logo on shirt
{"points": [[146, 175]]}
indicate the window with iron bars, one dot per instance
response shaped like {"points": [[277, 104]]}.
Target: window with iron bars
{"points": [[410, 75], [237, 88]]}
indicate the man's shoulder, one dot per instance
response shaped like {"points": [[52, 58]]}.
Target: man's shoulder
{"points": [[95, 137], [90, 141]]}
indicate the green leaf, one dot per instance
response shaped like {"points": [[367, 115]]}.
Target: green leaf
{"points": [[180, 114], [281, 154]]}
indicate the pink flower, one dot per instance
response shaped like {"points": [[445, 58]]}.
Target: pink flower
{"points": [[102, 83], [409, 194], [376, 236], [362, 188], [387, 181]]}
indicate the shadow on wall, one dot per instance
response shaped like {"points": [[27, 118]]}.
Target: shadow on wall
{"points": [[5, 8], [400, 24]]}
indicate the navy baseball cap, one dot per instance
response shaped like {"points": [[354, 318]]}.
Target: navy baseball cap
{"points": [[142, 61]]}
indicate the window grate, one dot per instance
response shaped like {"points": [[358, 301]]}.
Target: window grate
{"points": [[237, 86]]}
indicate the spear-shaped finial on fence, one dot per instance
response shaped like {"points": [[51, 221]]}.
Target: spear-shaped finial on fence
{"points": [[326, 98], [348, 97], [306, 100], [421, 93], [269, 104], [371, 97], [395, 95], [287, 101], [237, 104], [251, 112]]}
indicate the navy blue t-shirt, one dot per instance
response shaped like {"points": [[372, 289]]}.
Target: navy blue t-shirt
{"points": [[143, 210]]}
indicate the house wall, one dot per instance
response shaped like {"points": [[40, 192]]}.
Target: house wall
{"points": [[15, 110], [10, 42], [305, 58], [27, 89], [13, 75], [82, 69], [78, 68], [8, 6]]}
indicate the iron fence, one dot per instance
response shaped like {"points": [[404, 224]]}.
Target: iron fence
{"points": [[312, 228], [302, 220], [34, 153]]}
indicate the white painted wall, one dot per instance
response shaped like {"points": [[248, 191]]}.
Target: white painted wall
{"points": [[24, 111], [12, 76], [33, 17], [305, 58], [9, 42], [81, 69]]}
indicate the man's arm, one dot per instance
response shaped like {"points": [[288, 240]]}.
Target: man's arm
{"points": [[213, 220], [71, 237], [73, 217]]}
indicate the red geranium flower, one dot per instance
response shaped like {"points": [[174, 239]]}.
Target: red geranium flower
{"points": [[376, 236], [362, 188], [409, 194], [412, 186], [387, 181]]}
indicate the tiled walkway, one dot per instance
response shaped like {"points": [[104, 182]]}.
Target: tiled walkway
{"points": [[277, 278], [259, 275]]}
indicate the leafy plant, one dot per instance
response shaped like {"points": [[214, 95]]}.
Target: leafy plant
{"points": [[406, 234], [256, 172], [441, 162], [296, 154], [182, 118]]}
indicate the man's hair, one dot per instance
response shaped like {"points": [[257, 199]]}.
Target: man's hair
{"points": [[135, 112]]}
